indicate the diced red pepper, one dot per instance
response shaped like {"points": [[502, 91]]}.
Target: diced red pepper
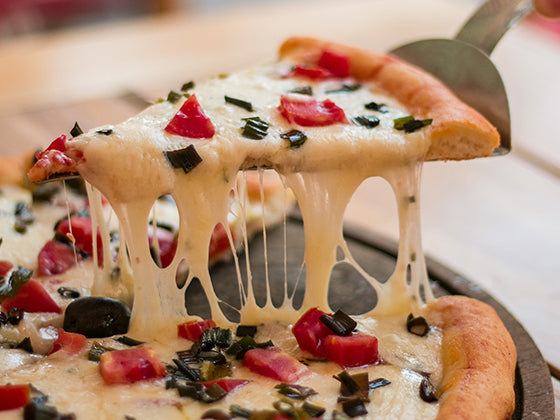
{"points": [[192, 330], [313, 73], [310, 332], [352, 350], [71, 343], [5, 267], [275, 364], [227, 384], [190, 121], [130, 365], [82, 231], [310, 112], [14, 396], [167, 243], [58, 144], [335, 62], [219, 242], [56, 257], [31, 297]]}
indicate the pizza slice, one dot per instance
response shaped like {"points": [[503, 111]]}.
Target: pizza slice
{"points": [[325, 117]]}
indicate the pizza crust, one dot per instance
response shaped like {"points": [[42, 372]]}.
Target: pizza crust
{"points": [[479, 359], [457, 132]]}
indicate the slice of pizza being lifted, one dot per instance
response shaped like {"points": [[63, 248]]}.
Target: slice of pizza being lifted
{"points": [[325, 117]]}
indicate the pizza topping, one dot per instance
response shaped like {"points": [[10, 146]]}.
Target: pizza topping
{"points": [[246, 330], [38, 410], [96, 350], [96, 316], [274, 363], [76, 130], [240, 347], [409, 124], [70, 343], [187, 86], [215, 414], [417, 325], [339, 323], [130, 365], [378, 383], [345, 88], [239, 102], [367, 121], [186, 159], [190, 121], [310, 332], [310, 112], [24, 217], [200, 392], [57, 257], [335, 62], [68, 292], [254, 128], [303, 90], [105, 132], [238, 411], [354, 407], [295, 137], [173, 96], [351, 351], [295, 391], [428, 391], [18, 278], [127, 341], [78, 229], [12, 316], [374, 106], [32, 297], [14, 396]]}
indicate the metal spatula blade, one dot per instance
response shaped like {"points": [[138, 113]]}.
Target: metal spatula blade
{"points": [[464, 65]]}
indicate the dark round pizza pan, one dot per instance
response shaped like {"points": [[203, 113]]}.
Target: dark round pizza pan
{"points": [[349, 292]]}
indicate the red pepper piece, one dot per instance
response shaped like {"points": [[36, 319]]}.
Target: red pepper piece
{"points": [[31, 297], [56, 257], [82, 231], [313, 73], [192, 330], [310, 112], [227, 384], [337, 63], [167, 243], [58, 144], [190, 121], [71, 343], [5, 267], [219, 242], [130, 365], [14, 396], [352, 350], [275, 364], [310, 332]]}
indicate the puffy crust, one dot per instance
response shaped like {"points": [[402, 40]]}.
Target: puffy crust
{"points": [[479, 359], [13, 169], [457, 132]]}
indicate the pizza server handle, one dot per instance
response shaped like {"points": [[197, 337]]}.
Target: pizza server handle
{"points": [[463, 63]]}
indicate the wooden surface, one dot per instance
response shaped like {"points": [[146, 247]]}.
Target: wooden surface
{"points": [[493, 220]]}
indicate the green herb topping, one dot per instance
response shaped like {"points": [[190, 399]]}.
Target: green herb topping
{"points": [[24, 217], [417, 325], [239, 102], [346, 88], [187, 86], [254, 128], [243, 330], [18, 278], [25, 345], [339, 323], [354, 407], [303, 90], [240, 347], [374, 106], [174, 96], [367, 121], [96, 350], [131, 342], [313, 410], [378, 383], [238, 411], [76, 130], [295, 137], [294, 391], [68, 292], [186, 159], [215, 414], [105, 132], [410, 124]]}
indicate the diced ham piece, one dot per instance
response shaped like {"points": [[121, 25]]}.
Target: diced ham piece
{"points": [[14, 396], [310, 332], [130, 365], [190, 121], [56, 257], [31, 297], [275, 364], [352, 350], [167, 244], [70, 343], [310, 112], [192, 330], [337, 63]]}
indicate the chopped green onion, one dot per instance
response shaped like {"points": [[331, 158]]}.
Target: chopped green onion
{"points": [[354, 407], [238, 411], [25, 345], [243, 330], [187, 86], [294, 391], [348, 386], [240, 347], [68, 292], [339, 323], [286, 408], [174, 96], [417, 325], [76, 130], [410, 124], [24, 217], [96, 350], [303, 90], [105, 132], [239, 102], [131, 342], [345, 88], [18, 278], [378, 383], [295, 137], [254, 128], [210, 371], [312, 410], [374, 106], [367, 121], [213, 356], [186, 159], [190, 373], [215, 337]]}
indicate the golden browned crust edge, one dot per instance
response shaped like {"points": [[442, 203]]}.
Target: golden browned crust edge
{"points": [[13, 169], [479, 359], [457, 132]]}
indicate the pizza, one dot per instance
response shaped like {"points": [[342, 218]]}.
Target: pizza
{"points": [[102, 330]]}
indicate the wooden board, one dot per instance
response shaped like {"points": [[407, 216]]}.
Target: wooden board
{"points": [[534, 394]]}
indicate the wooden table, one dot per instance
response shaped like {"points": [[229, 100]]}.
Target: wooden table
{"points": [[493, 220]]}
